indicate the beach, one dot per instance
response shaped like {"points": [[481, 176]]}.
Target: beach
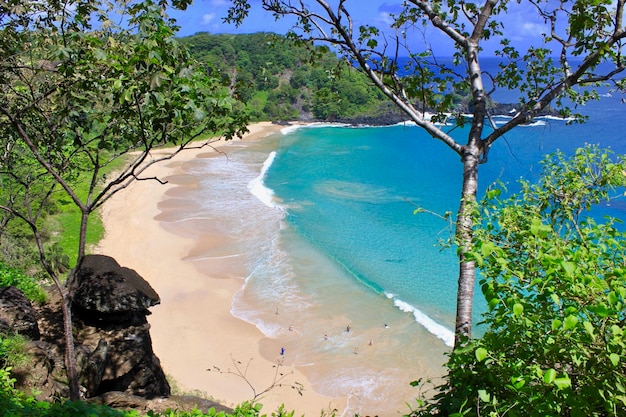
{"points": [[199, 342]]}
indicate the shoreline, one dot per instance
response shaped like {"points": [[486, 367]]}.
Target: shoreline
{"points": [[193, 330]]}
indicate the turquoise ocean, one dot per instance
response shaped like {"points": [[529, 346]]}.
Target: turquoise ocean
{"points": [[340, 271]]}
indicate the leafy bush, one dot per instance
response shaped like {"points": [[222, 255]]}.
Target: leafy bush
{"points": [[555, 283], [27, 284], [14, 403]]}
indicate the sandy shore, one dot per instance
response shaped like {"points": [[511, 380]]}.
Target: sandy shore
{"points": [[193, 331]]}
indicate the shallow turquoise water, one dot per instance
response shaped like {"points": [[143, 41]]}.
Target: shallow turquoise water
{"points": [[323, 218]]}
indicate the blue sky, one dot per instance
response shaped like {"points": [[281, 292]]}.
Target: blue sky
{"points": [[207, 15]]}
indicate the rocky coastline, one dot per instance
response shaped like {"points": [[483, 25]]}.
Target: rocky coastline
{"points": [[388, 116]]}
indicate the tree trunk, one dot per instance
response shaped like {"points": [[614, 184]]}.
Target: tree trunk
{"points": [[70, 355], [464, 232]]}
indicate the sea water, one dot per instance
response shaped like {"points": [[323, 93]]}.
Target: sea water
{"points": [[341, 269]]}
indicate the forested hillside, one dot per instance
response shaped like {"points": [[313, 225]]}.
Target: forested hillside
{"points": [[279, 81]]}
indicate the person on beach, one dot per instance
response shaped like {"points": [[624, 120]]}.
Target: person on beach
{"points": [[348, 328], [282, 351]]}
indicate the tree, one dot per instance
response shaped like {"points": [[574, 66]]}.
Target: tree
{"points": [[79, 95], [585, 36], [555, 282]]}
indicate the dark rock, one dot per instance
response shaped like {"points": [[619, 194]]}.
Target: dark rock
{"points": [[110, 304], [103, 288], [45, 372], [186, 403], [129, 364], [112, 336], [91, 366], [17, 314]]}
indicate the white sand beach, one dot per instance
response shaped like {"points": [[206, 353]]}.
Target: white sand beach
{"points": [[193, 330]]}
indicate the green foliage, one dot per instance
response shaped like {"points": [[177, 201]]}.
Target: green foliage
{"points": [[12, 350], [295, 83], [81, 90], [77, 98], [14, 403], [555, 283], [27, 284]]}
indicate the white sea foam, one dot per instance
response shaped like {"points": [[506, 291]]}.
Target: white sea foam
{"points": [[535, 124], [188, 219], [208, 258], [560, 119], [290, 129], [429, 324], [257, 186]]}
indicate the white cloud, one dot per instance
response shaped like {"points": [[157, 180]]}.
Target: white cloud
{"points": [[208, 18], [219, 3], [386, 18]]}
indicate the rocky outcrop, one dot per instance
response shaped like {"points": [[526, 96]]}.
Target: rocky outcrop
{"points": [[160, 405], [110, 305], [111, 333], [17, 314], [103, 290]]}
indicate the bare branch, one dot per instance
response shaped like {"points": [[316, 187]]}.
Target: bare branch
{"points": [[278, 379]]}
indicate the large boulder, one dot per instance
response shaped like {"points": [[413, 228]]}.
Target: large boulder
{"points": [[17, 314], [111, 334], [102, 289], [109, 305]]}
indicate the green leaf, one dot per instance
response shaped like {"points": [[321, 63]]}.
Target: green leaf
{"points": [[549, 376], [613, 298], [539, 229], [493, 303], [481, 354], [569, 267], [570, 322], [614, 357], [556, 324], [487, 248], [589, 328], [518, 309], [601, 310], [563, 382], [495, 192], [517, 382], [484, 395]]}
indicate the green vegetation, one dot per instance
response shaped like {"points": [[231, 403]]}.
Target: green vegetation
{"points": [[555, 282], [14, 403], [26, 283], [279, 80], [12, 350], [78, 98]]}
